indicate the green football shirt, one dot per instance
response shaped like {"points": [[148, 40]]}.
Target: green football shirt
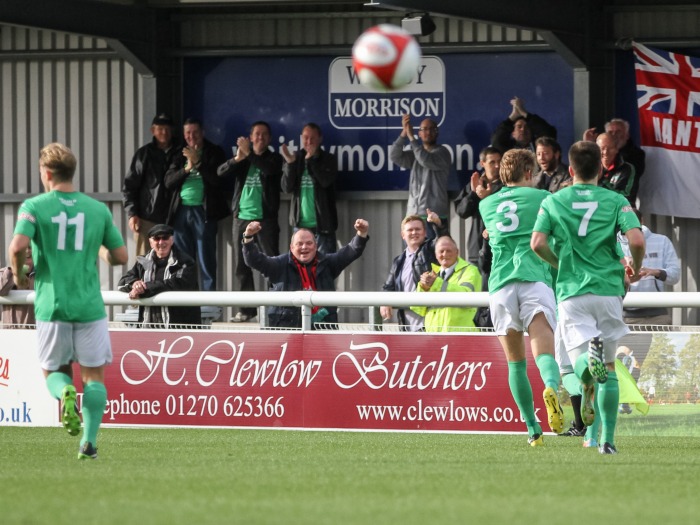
{"points": [[307, 211], [583, 221], [192, 191], [250, 204], [67, 230], [509, 216]]}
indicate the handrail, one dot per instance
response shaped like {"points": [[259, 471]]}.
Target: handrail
{"points": [[348, 299]]}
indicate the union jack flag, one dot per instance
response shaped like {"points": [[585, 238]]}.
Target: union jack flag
{"points": [[667, 82], [668, 101]]}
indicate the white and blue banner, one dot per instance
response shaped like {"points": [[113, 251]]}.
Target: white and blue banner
{"points": [[466, 94]]}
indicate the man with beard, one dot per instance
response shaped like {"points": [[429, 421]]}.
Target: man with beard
{"points": [[552, 174], [429, 163]]}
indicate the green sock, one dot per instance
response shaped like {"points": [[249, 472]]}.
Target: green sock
{"points": [[549, 370], [56, 381], [609, 399], [593, 432], [581, 368], [522, 393], [572, 384], [94, 403]]}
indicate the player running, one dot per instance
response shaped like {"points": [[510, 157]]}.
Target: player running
{"points": [[67, 231], [583, 220], [520, 289]]}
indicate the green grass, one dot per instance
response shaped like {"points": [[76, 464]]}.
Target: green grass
{"points": [[204, 476], [662, 420]]}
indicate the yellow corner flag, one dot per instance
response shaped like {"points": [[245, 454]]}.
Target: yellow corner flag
{"points": [[629, 392]]}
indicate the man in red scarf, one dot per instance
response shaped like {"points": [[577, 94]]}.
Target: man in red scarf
{"points": [[302, 268]]}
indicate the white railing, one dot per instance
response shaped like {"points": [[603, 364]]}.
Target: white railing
{"points": [[307, 300]]}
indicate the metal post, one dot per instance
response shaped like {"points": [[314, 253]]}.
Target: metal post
{"points": [[306, 317], [262, 317], [375, 319]]}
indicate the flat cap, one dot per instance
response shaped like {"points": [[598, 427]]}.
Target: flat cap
{"points": [[160, 229]]}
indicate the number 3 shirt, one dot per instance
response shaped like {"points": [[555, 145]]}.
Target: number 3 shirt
{"points": [[67, 230], [582, 221], [509, 216]]}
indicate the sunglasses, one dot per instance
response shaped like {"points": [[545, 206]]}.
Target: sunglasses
{"points": [[161, 237]]}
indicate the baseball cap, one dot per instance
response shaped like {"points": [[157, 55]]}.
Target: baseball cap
{"points": [[162, 119]]}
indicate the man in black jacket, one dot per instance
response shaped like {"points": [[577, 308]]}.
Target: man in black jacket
{"points": [[163, 269], [310, 176], [198, 202], [407, 268], [480, 186], [145, 197], [254, 174], [521, 129], [303, 268]]}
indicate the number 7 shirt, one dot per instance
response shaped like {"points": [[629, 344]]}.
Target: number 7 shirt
{"points": [[67, 231], [582, 221]]}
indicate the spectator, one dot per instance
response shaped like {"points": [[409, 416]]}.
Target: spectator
{"points": [[451, 274], [618, 175], [619, 129], [304, 267], [407, 268], [480, 186], [521, 129], [429, 163], [660, 268], [521, 297], [552, 174], [163, 269], [145, 197], [18, 315], [310, 175], [198, 202], [256, 173], [584, 218]]}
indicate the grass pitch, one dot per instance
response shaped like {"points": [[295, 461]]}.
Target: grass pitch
{"points": [[204, 476]]}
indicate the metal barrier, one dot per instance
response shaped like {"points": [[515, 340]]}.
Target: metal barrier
{"points": [[308, 299]]}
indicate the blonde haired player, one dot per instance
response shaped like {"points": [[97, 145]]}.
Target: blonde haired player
{"points": [[67, 231], [520, 289]]}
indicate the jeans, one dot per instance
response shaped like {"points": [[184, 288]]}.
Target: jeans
{"points": [[196, 236]]}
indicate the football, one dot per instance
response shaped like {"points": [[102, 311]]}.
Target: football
{"points": [[386, 57]]}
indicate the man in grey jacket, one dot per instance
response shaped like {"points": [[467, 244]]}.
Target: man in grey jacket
{"points": [[429, 163]]}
